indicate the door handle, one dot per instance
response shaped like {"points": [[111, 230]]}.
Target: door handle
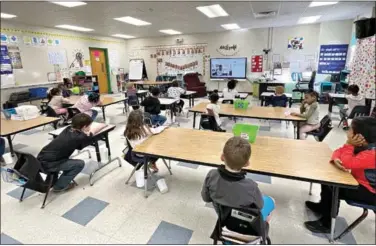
{"points": [[102, 65]]}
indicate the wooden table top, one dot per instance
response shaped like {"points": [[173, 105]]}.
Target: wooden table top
{"points": [[277, 113], [9, 127], [280, 157], [105, 100], [152, 82], [338, 95]]}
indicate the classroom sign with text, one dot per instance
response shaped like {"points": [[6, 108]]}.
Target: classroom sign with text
{"points": [[332, 59], [6, 63]]}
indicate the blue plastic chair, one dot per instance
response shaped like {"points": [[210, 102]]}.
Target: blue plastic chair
{"points": [[365, 207]]}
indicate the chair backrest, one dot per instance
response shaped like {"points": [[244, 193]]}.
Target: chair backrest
{"points": [[279, 101], [373, 114], [359, 111], [228, 101], [325, 128], [245, 220], [147, 119], [191, 79], [208, 122], [133, 100], [50, 112], [30, 167], [72, 112]]}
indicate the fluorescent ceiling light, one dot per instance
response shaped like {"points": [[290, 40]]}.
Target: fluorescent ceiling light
{"points": [[70, 4], [316, 4], [132, 21], [232, 26], [308, 19], [212, 11], [75, 28], [123, 36], [170, 31], [7, 16]]}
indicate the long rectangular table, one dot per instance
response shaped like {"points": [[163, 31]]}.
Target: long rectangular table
{"points": [[335, 98], [12, 127], [279, 157], [255, 112]]}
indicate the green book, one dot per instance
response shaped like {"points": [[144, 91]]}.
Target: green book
{"points": [[246, 131]]}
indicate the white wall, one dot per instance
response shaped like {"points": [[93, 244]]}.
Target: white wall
{"points": [[252, 42], [70, 41]]}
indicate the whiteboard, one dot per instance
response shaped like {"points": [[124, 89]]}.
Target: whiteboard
{"points": [[37, 63], [135, 69]]}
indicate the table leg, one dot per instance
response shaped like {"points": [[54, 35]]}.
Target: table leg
{"points": [[104, 114], [10, 145], [146, 176], [97, 151], [194, 120], [298, 130], [262, 101], [172, 110], [107, 145], [331, 102], [334, 212], [290, 102]]}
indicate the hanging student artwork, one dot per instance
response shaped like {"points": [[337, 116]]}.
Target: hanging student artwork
{"points": [[27, 40], [295, 43], [13, 39], [50, 41], [227, 50], [43, 41], [15, 57], [4, 38], [34, 41]]}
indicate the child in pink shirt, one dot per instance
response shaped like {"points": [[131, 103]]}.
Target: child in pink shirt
{"points": [[87, 102]]}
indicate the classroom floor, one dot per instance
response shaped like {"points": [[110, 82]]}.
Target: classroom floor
{"points": [[111, 212]]}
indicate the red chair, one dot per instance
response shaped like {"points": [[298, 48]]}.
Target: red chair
{"points": [[193, 83]]}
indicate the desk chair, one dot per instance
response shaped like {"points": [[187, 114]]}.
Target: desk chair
{"points": [[246, 221], [303, 86], [131, 101], [320, 134], [137, 161], [357, 111], [30, 167], [358, 220], [228, 101], [50, 112], [208, 122]]}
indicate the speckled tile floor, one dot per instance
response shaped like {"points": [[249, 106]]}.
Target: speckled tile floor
{"points": [[111, 212]]}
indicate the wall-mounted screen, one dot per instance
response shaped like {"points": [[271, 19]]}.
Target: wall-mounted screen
{"points": [[228, 68]]}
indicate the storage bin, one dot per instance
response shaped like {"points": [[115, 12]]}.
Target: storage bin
{"points": [[38, 92]]}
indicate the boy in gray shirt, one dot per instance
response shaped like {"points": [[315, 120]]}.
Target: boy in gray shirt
{"points": [[228, 186]]}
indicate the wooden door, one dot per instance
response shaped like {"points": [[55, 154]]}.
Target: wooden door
{"points": [[99, 67]]}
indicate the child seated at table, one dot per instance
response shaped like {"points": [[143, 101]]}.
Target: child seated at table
{"points": [[132, 96], [230, 92], [213, 109], [309, 110], [153, 107], [137, 132], [353, 99], [279, 99], [54, 157], [56, 101], [87, 102], [356, 156], [228, 186], [175, 92]]}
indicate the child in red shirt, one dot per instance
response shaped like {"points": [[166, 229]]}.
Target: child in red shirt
{"points": [[357, 156]]}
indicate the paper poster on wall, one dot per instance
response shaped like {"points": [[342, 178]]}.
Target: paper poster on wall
{"points": [[43, 41], [332, 58], [56, 57], [50, 41], [13, 39], [57, 42], [256, 64], [114, 58], [4, 38], [295, 43], [15, 56], [6, 64], [27, 40], [34, 41]]}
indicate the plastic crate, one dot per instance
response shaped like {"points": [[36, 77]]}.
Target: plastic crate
{"points": [[38, 92]]}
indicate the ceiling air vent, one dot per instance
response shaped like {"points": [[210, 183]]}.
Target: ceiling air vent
{"points": [[265, 14]]}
